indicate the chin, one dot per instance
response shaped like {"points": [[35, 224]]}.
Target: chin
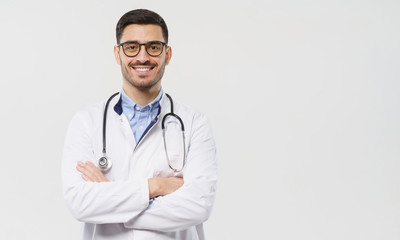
{"points": [[143, 85]]}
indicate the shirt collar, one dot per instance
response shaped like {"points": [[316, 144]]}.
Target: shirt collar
{"points": [[130, 104]]}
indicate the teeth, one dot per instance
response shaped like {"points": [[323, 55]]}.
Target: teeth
{"points": [[142, 69]]}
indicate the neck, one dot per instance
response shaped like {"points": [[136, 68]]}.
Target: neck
{"points": [[141, 96]]}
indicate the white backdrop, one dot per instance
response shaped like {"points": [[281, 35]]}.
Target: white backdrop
{"points": [[303, 96]]}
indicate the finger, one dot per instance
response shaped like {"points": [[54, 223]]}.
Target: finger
{"points": [[84, 173], [178, 180], [88, 172], [94, 171], [91, 164], [99, 174], [79, 166], [86, 178], [91, 172], [81, 169]]}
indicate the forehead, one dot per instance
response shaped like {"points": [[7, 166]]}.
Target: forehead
{"points": [[142, 33]]}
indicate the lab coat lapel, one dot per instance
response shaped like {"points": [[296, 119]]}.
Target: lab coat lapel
{"points": [[123, 125]]}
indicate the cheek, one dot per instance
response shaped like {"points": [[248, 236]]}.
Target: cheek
{"points": [[124, 63], [163, 61]]}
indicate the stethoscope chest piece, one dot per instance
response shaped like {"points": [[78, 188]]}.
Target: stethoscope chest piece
{"points": [[105, 163]]}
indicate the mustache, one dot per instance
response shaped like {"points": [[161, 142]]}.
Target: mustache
{"points": [[137, 63]]}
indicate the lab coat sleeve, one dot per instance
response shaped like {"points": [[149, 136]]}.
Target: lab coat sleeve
{"points": [[108, 202], [192, 203]]}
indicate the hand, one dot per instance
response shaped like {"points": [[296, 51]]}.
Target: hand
{"points": [[163, 186], [90, 172]]}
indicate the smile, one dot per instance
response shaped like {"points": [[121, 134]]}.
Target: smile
{"points": [[143, 69]]}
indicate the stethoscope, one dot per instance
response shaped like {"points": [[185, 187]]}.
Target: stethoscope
{"points": [[105, 163]]}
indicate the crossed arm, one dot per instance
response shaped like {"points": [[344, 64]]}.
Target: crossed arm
{"points": [[97, 200], [157, 186]]}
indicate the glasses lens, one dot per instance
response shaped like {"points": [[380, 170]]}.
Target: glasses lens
{"points": [[154, 48], [131, 49]]}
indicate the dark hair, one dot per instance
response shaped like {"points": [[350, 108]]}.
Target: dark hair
{"points": [[141, 16]]}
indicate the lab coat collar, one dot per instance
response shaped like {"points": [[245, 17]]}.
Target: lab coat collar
{"points": [[118, 104], [165, 104]]}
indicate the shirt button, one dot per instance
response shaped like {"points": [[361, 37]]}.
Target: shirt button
{"points": [[137, 108], [141, 127]]}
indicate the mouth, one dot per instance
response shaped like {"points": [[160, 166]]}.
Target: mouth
{"points": [[143, 69]]}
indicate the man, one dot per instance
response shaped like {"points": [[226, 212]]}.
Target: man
{"points": [[144, 194]]}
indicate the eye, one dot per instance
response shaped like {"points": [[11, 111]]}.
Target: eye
{"points": [[155, 46], [131, 47]]}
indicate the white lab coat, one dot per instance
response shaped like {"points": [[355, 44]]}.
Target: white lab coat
{"points": [[120, 209]]}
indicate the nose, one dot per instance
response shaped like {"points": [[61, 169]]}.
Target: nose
{"points": [[143, 56]]}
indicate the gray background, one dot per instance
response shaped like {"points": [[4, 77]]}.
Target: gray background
{"points": [[303, 97]]}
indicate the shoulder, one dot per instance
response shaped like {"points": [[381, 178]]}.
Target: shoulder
{"points": [[88, 117], [188, 111], [91, 112], [193, 119]]}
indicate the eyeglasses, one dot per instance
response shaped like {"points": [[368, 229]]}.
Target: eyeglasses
{"points": [[153, 48]]}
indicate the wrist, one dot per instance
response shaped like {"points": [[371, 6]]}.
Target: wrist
{"points": [[154, 187]]}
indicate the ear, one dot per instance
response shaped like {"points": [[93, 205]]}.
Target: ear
{"points": [[116, 55], [168, 55]]}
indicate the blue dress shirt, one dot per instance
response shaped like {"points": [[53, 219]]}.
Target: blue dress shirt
{"points": [[140, 118]]}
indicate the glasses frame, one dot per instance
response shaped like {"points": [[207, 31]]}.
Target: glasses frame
{"points": [[145, 47]]}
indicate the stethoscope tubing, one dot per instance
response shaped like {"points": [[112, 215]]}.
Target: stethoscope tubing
{"points": [[105, 162], [183, 135], [105, 121]]}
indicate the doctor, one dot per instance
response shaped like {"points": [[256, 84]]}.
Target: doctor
{"points": [[143, 194]]}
